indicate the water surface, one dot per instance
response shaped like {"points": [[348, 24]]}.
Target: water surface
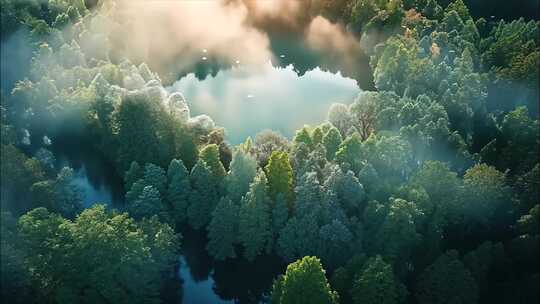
{"points": [[246, 101]]}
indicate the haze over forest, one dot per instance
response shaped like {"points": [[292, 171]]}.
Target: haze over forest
{"points": [[270, 151]]}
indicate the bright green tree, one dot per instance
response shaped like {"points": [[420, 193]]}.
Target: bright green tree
{"points": [[280, 175], [303, 282]]}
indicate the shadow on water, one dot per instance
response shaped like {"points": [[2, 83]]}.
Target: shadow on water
{"points": [[94, 176], [231, 281]]}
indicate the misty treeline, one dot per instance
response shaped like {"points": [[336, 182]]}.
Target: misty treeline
{"points": [[425, 190]]}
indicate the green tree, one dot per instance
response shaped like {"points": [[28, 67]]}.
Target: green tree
{"points": [[317, 136], [446, 281], [332, 141], [350, 153], [204, 196], [255, 221], [178, 190], [303, 282], [132, 175], [243, 171], [223, 230], [147, 204], [156, 177], [303, 136], [210, 155], [99, 257], [375, 284], [280, 175], [137, 121]]}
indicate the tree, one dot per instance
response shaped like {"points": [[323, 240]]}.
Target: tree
{"points": [[303, 136], [255, 226], [266, 142], [99, 257], [210, 155], [303, 282], [486, 194], [317, 136], [243, 171], [375, 284], [338, 115], [15, 276], [223, 230], [204, 196], [348, 189], [397, 236], [364, 114], [446, 281], [137, 131], [156, 177], [178, 190], [280, 175], [332, 141], [335, 243], [349, 153], [147, 204], [132, 175]]}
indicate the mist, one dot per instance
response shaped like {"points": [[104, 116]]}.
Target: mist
{"points": [[179, 37]]}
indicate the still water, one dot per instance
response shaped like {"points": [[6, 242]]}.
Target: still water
{"points": [[248, 100]]}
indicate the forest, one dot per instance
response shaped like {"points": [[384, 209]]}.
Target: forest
{"points": [[423, 188]]}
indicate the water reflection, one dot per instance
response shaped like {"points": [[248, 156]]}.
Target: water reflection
{"points": [[95, 177], [232, 281], [247, 100]]}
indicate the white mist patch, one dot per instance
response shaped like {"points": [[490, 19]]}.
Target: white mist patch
{"points": [[246, 100]]}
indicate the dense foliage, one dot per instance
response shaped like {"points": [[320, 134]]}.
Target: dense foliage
{"points": [[425, 190]]}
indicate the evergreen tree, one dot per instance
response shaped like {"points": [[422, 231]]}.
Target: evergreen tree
{"points": [[132, 175], [155, 176], [447, 281], [255, 226], [332, 141], [179, 190], [204, 196], [375, 284], [223, 230], [280, 175], [242, 173]]}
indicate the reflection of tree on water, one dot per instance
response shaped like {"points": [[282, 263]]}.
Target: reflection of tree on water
{"points": [[292, 50], [197, 259], [246, 281], [234, 279], [87, 163]]}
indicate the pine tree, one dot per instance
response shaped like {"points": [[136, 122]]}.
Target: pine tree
{"points": [[223, 230], [255, 226]]}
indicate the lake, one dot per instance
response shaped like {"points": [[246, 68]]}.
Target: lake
{"points": [[246, 100]]}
